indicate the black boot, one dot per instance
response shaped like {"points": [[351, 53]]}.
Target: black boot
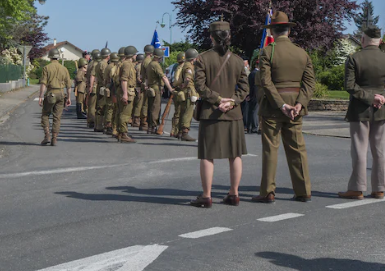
{"points": [[79, 112]]}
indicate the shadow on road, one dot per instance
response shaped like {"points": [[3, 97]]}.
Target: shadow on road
{"points": [[300, 264], [10, 143]]}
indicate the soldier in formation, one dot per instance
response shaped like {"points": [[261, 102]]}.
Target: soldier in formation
{"points": [[177, 83]]}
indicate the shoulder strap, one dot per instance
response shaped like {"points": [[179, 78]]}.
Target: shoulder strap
{"points": [[221, 69]]}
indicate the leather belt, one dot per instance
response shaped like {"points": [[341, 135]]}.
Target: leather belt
{"points": [[288, 90]]}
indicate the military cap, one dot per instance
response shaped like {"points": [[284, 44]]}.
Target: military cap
{"points": [[105, 52], [114, 57], [158, 52], [139, 57], [219, 26], [180, 57], [279, 18], [82, 62], [121, 51], [191, 54], [54, 53], [149, 49], [130, 51], [373, 32]]}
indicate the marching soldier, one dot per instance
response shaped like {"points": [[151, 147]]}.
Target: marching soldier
{"points": [[138, 102], [116, 80], [148, 51], [155, 80], [288, 81], [100, 91], [91, 87], [190, 95], [81, 84], [55, 78], [177, 82], [109, 105]]}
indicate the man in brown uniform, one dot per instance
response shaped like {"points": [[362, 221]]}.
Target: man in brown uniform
{"points": [[91, 87], [364, 80], [109, 105], [100, 92], [154, 81], [116, 80], [148, 51], [287, 77], [138, 102], [55, 78], [81, 82], [177, 82]]}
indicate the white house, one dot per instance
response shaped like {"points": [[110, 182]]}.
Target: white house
{"points": [[67, 50]]}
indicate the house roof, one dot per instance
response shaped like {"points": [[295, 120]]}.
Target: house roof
{"points": [[58, 45], [354, 39]]}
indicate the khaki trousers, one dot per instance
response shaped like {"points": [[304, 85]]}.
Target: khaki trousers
{"points": [[154, 105], [362, 134], [125, 112], [108, 110], [138, 104], [91, 108], [55, 108], [186, 114], [296, 155], [176, 117]]}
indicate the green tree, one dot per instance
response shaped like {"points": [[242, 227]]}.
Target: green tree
{"points": [[181, 46], [361, 19]]}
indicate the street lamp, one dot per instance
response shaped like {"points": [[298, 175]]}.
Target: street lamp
{"points": [[162, 24]]}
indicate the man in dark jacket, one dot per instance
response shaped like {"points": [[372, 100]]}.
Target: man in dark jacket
{"points": [[252, 118]]}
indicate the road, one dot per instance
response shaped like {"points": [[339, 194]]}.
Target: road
{"points": [[94, 204]]}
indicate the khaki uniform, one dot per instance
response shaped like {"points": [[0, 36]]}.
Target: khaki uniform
{"points": [[177, 84], [287, 77], [154, 80], [187, 107], [109, 106], [55, 77], [115, 112], [81, 84], [100, 101], [92, 96], [138, 102], [127, 73], [144, 112]]}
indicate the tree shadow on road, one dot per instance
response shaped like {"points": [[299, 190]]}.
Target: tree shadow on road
{"points": [[321, 264], [10, 143]]}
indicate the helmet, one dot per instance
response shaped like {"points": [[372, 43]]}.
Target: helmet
{"points": [[159, 53], [149, 49], [140, 57], [114, 57], [82, 62], [93, 52], [54, 53], [191, 54], [97, 56], [180, 57], [121, 51], [130, 51], [105, 52]]}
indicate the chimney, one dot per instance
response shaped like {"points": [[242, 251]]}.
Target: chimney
{"points": [[54, 42]]}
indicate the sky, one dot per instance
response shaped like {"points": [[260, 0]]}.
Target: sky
{"points": [[89, 24]]}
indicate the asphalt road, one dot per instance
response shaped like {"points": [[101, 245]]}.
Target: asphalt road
{"points": [[94, 204]]}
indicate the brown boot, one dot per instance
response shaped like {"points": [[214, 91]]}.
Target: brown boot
{"points": [[377, 195], [115, 133], [143, 124], [136, 122], [54, 139], [47, 137], [185, 135], [179, 135], [126, 139], [351, 195]]}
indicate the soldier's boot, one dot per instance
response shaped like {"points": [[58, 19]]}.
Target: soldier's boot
{"points": [[126, 139], [179, 135], [98, 124], [91, 125], [54, 139], [136, 122], [143, 124], [47, 137], [119, 137], [79, 112], [186, 136], [108, 128], [149, 130], [115, 132], [130, 120]]}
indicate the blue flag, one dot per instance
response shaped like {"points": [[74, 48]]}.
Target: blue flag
{"points": [[155, 40]]}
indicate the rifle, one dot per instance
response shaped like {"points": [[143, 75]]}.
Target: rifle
{"points": [[165, 115]]}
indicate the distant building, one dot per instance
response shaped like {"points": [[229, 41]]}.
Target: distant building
{"points": [[353, 41], [67, 50]]}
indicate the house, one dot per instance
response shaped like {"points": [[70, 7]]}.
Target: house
{"points": [[67, 50], [356, 43]]}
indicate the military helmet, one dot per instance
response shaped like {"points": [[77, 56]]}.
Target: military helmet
{"points": [[191, 54], [97, 56], [130, 51], [54, 53], [114, 57], [140, 57], [82, 63], [149, 49], [105, 52], [159, 53], [93, 52], [121, 51], [180, 57]]}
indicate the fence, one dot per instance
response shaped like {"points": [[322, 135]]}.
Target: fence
{"points": [[10, 73]]}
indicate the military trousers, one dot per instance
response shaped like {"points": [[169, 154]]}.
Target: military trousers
{"points": [[186, 114], [364, 133], [125, 112], [154, 105], [108, 110], [80, 98], [144, 110], [100, 104], [91, 108], [176, 117], [115, 116], [295, 149], [138, 104], [53, 104]]}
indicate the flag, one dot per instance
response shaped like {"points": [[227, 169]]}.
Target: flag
{"points": [[266, 36], [155, 40]]}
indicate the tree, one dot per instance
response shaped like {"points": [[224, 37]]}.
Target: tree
{"points": [[181, 46], [319, 24], [361, 19]]}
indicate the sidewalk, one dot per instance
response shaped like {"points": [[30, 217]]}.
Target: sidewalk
{"points": [[326, 123], [9, 101]]}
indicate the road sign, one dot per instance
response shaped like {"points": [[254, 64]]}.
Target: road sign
{"points": [[166, 50]]}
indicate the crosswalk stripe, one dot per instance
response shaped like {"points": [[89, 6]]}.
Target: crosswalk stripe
{"points": [[36, 99], [206, 232], [356, 203], [280, 217]]}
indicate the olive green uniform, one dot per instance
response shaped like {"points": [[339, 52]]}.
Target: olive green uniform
{"points": [[81, 84], [115, 112], [177, 84], [144, 112], [92, 96], [187, 107], [55, 77], [100, 101], [154, 80], [109, 106], [127, 73], [138, 102], [287, 77]]}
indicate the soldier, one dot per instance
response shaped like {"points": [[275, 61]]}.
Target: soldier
{"points": [[148, 51], [126, 93], [288, 87], [116, 80], [177, 82], [81, 84], [138, 102], [100, 91], [91, 87], [109, 105], [55, 78], [189, 93], [154, 81]]}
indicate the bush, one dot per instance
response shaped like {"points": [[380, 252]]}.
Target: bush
{"points": [[71, 67], [333, 78], [321, 91]]}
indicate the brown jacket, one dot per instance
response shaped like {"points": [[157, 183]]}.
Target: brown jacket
{"points": [[55, 76], [232, 83], [291, 67]]}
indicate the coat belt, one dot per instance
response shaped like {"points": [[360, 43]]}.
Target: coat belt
{"points": [[288, 90]]}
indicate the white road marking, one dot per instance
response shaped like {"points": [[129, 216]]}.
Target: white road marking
{"points": [[356, 203], [135, 258], [203, 233], [251, 155], [280, 217], [36, 99], [166, 133], [173, 160]]}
